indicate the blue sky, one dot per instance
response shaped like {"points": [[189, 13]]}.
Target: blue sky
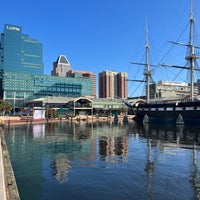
{"points": [[97, 35]]}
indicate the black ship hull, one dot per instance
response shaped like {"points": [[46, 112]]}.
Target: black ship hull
{"points": [[181, 112]]}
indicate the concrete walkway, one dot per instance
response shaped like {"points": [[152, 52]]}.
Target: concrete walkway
{"points": [[2, 178]]}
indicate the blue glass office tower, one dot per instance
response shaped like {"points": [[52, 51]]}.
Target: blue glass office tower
{"points": [[19, 53]]}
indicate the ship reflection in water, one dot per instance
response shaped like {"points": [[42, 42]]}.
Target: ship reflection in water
{"points": [[168, 137], [105, 161]]}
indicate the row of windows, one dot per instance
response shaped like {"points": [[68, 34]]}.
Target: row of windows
{"points": [[27, 86], [13, 94], [70, 94], [21, 80]]}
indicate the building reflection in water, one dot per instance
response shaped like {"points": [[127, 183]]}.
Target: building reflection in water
{"points": [[60, 169], [112, 142], [83, 142], [65, 142], [38, 130], [113, 149]]}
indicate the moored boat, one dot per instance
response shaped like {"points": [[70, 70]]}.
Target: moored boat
{"points": [[180, 111]]}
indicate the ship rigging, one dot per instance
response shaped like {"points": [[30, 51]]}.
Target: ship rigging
{"points": [[179, 111]]}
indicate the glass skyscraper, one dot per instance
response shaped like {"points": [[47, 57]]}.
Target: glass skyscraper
{"points": [[19, 53], [21, 72]]}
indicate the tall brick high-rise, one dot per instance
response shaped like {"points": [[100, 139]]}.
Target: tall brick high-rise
{"points": [[113, 84], [122, 85]]}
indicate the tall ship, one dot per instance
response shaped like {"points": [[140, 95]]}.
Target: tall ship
{"points": [[170, 110]]}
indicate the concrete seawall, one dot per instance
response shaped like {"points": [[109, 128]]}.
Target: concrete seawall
{"points": [[2, 179], [8, 186], [7, 120]]}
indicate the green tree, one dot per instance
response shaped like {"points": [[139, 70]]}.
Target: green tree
{"points": [[4, 106]]}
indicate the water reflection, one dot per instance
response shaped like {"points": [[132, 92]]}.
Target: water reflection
{"points": [[60, 169], [113, 149], [174, 135], [61, 149], [178, 136], [149, 170], [195, 176]]}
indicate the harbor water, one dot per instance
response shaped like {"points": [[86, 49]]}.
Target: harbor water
{"points": [[95, 161]]}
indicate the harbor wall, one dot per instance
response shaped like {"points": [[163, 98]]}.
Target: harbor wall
{"points": [[7, 120], [2, 179], [8, 185]]}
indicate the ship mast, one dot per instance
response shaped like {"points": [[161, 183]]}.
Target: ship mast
{"points": [[191, 57], [147, 72]]}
